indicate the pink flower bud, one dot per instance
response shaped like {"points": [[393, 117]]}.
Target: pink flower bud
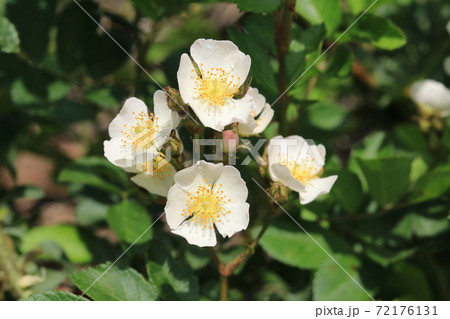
{"points": [[230, 141]]}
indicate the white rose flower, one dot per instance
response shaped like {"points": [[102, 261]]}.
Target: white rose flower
{"points": [[260, 115], [223, 70], [137, 136], [294, 163], [431, 96], [207, 195], [155, 176]]}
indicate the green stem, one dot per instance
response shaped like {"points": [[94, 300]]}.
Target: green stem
{"points": [[282, 40], [223, 288]]}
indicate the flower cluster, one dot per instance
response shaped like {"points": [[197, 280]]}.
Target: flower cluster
{"points": [[214, 89]]}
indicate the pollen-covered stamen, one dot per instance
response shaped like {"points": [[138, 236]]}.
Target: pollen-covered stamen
{"points": [[205, 206], [304, 169], [215, 85], [141, 135], [159, 167]]}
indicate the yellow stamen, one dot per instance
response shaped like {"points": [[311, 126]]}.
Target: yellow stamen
{"points": [[206, 205], [215, 86], [141, 135]]}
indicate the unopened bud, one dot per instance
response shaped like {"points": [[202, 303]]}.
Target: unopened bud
{"points": [[230, 141], [279, 192]]}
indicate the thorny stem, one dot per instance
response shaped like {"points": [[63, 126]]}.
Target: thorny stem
{"points": [[282, 39]]}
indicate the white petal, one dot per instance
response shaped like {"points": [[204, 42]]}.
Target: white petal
{"points": [[233, 186], [282, 174], [117, 154], [196, 234], [189, 178], [126, 116], [166, 117], [176, 202], [431, 94], [248, 128], [155, 183], [264, 119], [284, 149], [221, 54], [186, 79], [316, 188], [258, 100], [234, 222], [233, 111]]}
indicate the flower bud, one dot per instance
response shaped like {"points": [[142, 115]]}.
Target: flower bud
{"points": [[279, 192], [230, 141]]}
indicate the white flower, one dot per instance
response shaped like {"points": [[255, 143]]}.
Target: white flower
{"points": [[260, 108], [207, 195], [298, 165], [136, 135], [223, 70], [431, 96], [156, 177]]}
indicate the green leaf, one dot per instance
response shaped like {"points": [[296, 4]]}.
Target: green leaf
{"points": [[321, 11], [54, 296], [387, 178], [347, 190], [331, 283], [96, 172], [114, 284], [90, 211], [33, 20], [377, 31], [433, 185], [173, 279], [358, 6], [261, 69], [102, 97], [410, 281], [258, 6], [9, 38], [287, 243], [129, 221], [326, 115], [340, 63], [65, 236], [386, 256], [414, 224]]}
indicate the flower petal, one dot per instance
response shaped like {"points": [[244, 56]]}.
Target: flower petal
{"points": [[176, 202], [117, 154], [221, 54], [126, 116], [155, 183], [196, 234], [317, 188], [166, 117], [264, 119], [234, 222], [189, 178], [282, 174], [186, 79], [233, 186]]}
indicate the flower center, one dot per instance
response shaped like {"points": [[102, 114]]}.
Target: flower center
{"points": [[141, 135], [215, 86], [206, 205], [304, 170], [159, 167]]}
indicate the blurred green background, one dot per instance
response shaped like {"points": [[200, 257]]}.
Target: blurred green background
{"points": [[63, 206]]}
